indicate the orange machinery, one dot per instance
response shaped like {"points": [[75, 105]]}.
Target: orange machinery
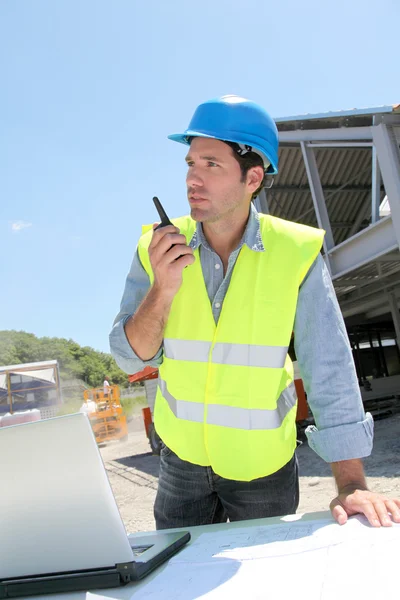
{"points": [[107, 419], [147, 374]]}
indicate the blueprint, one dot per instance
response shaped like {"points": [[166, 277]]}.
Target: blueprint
{"points": [[314, 560]]}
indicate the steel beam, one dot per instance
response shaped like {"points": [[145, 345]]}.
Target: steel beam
{"points": [[326, 135], [364, 247], [376, 187], [377, 312], [357, 281], [352, 298], [317, 195], [389, 162], [369, 306], [360, 282], [380, 310], [331, 189], [339, 144], [392, 257], [364, 307], [387, 119]]}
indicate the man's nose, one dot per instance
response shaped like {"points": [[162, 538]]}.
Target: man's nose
{"points": [[193, 177]]}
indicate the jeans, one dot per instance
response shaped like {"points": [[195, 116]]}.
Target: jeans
{"points": [[190, 495]]}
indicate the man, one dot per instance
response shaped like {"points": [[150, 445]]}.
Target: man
{"points": [[213, 301], [106, 387]]}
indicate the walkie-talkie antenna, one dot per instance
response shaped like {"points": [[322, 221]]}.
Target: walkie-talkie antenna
{"points": [[163, 215]]}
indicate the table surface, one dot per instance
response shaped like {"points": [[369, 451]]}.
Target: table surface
{"points": [[126, 592]]}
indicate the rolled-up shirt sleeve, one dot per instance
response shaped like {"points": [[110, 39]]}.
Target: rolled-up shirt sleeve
{"points": [[136, 287], [342, 430]]}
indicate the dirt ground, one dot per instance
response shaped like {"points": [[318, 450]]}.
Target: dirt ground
{"points": [[133, 471]]}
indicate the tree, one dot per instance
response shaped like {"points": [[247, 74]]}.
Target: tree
{"points": [[75, 361]]}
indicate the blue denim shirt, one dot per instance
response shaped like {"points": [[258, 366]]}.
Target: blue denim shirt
{"points": [[342, 429]]}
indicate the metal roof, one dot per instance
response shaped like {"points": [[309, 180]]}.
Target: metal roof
{"points": [[346, 180], [29, 366], [345, 171], [351, 112]]}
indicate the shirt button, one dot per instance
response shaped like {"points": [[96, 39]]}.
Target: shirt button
{"points": [[217, 266], [217, 304]]}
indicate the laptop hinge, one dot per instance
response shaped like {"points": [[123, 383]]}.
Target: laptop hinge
{"points": [[124, 570]]}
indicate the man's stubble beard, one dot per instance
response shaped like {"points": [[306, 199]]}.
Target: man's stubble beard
{"points": [[201, 216]]}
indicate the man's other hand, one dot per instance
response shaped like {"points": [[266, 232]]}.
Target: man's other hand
{"points": [[379, 509]]}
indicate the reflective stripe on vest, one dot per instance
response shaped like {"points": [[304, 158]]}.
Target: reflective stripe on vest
{"points": [[229, 416], [244, 355]]}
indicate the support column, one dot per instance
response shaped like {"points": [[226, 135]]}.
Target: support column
{"points": [[361, 373], [382, 356], [317, 195], [9, 390], [376, 187]]}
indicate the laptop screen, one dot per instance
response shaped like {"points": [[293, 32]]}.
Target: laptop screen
{"points": [[61, 512]]}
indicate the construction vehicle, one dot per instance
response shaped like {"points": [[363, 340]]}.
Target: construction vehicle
{"points": [[103, 407]]}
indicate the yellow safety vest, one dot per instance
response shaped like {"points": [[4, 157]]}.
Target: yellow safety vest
{"points": [[219, 385]]}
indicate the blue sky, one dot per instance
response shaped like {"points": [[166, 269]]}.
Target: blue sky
{"points": [[89, 92]]}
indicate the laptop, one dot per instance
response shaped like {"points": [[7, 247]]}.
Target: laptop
{"points": [[61, 530]]}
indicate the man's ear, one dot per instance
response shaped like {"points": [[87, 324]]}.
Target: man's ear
{"points": [[255, 175]]}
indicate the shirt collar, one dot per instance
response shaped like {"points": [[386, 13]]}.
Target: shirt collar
{"points": [[251, 237]]}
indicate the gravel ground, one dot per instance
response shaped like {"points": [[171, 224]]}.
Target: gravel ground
{"points": [[133, 472]]}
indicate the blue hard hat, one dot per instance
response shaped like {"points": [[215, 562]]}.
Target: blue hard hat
{"points": [[235, 119]]}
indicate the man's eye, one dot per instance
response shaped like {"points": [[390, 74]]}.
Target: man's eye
{"points": [[212, 164]]}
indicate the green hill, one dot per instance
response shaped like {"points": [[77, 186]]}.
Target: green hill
{"points": [[75, 361]]}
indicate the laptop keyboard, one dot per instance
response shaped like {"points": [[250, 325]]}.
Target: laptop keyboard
{"points": [[138, 550]]}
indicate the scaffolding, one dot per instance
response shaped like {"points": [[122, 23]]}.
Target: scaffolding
{"points": [[29, 386], [107, 415]]}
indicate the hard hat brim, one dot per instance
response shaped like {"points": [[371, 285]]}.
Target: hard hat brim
{"points": [[182, 138]]}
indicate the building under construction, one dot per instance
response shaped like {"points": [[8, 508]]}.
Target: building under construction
{"points": [[341, 171]]}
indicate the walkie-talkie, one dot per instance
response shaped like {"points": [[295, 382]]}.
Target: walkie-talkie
{"points": [[163, 215], [164, 219]]}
